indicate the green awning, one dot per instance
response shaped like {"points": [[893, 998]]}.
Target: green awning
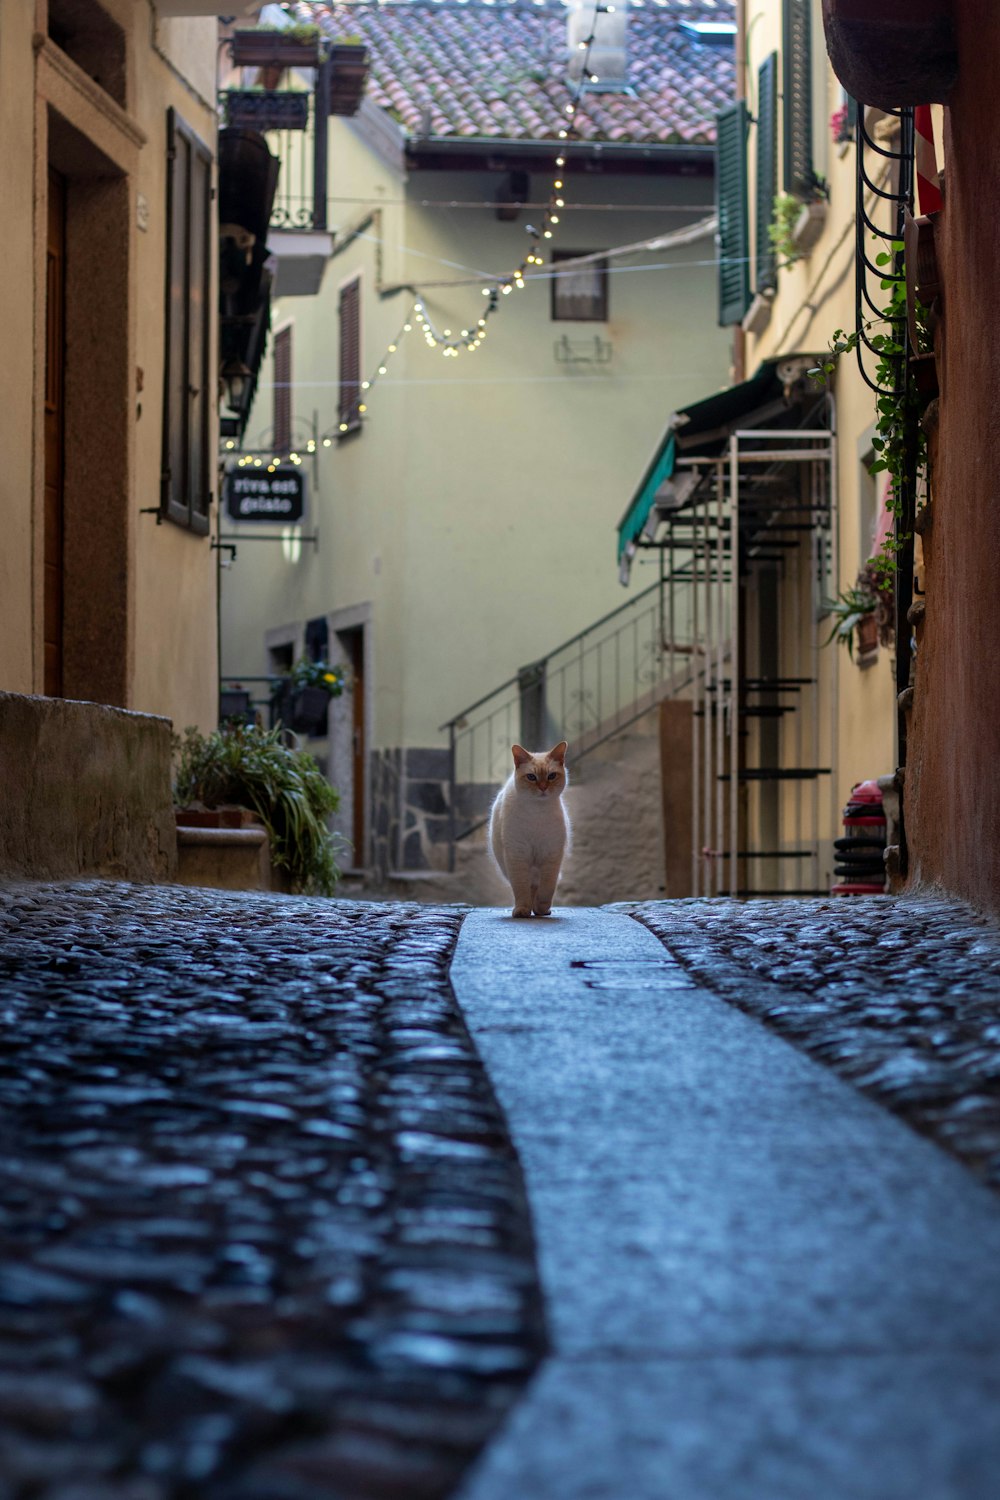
{"points": [[660, 468]]}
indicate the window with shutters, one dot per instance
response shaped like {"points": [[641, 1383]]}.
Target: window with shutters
{"points": [[731, 198], [283, 390], [766, 260], [350, 358], [188, 387], [580, 294], [799, 175]]}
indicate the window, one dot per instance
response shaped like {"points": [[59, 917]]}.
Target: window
{"points": [[283, 390], [350, 357], [767, 172], [580, 294], [731, 197], [188, 388], [800, 176]]}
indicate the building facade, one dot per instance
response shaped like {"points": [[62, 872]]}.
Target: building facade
{"points": [[463, 499]]}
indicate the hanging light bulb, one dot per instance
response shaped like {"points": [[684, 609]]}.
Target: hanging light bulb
{"points": [[554, 219], [343, 426], [392, 348], [230, 443], [407, 327], [560, 161], [381, 369], [548, 234], [362, 407], [327, 442], [365, 385]]}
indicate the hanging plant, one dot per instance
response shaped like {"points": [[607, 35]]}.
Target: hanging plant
{"points": [[851, 610], [781, 230]]}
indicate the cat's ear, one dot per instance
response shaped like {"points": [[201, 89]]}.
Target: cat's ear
{"points": [[559, 753], [521, 756]]}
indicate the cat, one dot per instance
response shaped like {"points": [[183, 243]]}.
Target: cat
{"points": [[529, 828]]}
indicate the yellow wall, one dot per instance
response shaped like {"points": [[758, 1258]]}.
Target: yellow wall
{"points": [[815, 297], [170, 575]]}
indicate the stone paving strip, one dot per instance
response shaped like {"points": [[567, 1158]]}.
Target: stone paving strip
{"points": [[900, 997], [262, 1234], [760, 1285]]}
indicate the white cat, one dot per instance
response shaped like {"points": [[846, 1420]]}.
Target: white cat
{"points": [[529, 828]]}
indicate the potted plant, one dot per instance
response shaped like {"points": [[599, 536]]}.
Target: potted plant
{"points": [[248, 767], [266, 47], [314, 683], [854, 620]]}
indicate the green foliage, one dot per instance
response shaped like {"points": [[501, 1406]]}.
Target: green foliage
{"points": [[897, 406], [781, 228], [253, 768], [306, 673], [848, 609]]}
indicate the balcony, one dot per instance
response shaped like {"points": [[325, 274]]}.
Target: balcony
{"points": [[288, 89]]}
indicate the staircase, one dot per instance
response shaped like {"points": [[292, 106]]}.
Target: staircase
{"points": [[587, 691]]}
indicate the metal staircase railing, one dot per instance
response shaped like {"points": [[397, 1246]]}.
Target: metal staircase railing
{"points": [[587, 690]]}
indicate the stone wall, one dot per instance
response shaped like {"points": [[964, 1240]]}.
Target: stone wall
{"points": [[85, 790], [411, 808]]}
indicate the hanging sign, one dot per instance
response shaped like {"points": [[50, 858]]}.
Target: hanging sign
{"points": [[279, 497]]}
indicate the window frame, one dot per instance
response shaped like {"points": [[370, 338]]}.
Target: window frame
{"points": [[281, 349], [601, 267], [349, 381], [186, 500]]}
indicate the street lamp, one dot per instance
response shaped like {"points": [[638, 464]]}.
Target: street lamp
{"points": [[236, 378]]}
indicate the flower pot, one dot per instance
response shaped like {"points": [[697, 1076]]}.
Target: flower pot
{"points": [[893, 52], [309, 707], [348, 77], [866, 635], [272, 49]]}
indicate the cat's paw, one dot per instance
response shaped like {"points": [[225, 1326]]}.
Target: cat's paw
{"points": [[521, 911], [542, 910]]}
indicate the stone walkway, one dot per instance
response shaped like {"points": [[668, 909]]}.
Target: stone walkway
{"points": [[760, 1284]]}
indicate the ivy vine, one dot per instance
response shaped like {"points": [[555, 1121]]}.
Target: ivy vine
{"points": [[898, 405]]}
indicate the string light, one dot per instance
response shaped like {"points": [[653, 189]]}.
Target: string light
{"points": [[468, 342]]}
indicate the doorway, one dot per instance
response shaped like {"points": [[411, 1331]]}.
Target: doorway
{"points": [[353, 645], [55, 436]]}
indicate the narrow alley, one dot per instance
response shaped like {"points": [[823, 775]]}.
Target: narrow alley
{"points": [[265, 1234]]}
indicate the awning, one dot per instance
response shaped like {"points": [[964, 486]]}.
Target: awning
{"points": [[706, 424], [660, 467]]}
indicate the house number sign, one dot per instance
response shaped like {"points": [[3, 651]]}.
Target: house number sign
{"points": [[278, 497]]}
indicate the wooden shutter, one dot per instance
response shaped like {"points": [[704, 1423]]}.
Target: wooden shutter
{"points": [[186, 492], [766, 277], [283, 390], [350, 354], [731, 198], [800, 178]]}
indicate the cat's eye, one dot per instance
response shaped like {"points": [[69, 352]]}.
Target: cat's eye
{"points": [[553, 775], [530, 777]]}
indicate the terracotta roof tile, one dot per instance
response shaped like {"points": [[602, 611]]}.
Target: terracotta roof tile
{"points": [[474, 68]]}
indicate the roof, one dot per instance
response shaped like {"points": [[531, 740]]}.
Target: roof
{"points": [[474, 69]]}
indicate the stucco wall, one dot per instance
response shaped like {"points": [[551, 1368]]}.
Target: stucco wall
{"points": [[16, 320], [815, 297], [952, 799], [142, 597]]}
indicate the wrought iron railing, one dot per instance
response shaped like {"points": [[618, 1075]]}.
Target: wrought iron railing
{"points": [[288, 117], [591, 687]]}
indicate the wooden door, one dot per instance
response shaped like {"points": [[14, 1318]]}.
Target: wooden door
{"points": [[354, 642], [55, 369]]}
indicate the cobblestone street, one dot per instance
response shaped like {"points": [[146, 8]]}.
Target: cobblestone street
{"points": [[259, 1223], [264, 1233]]}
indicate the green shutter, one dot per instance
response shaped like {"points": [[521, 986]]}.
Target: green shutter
{"points": [[767, 171], [731, 197], [797, 57]]}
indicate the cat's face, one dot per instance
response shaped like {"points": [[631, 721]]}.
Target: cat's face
{"points": [[541, 774]]}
